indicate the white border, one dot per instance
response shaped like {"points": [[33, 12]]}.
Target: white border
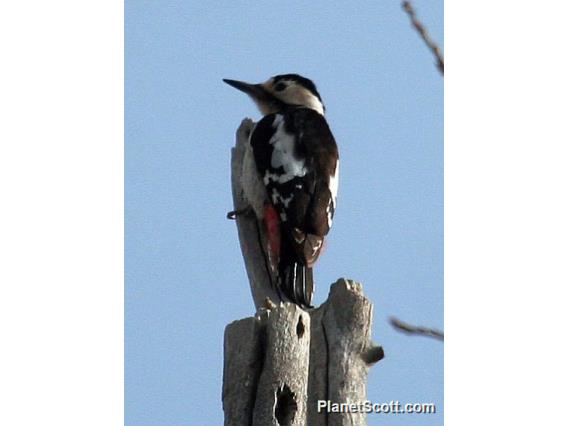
{"points": [[61, 220], [506, 206]]}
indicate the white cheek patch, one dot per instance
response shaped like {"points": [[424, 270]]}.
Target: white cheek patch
{"points": [[295, 94], [314, 103]]}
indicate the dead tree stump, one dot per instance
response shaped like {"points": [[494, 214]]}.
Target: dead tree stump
{"points": [[285, 365]]}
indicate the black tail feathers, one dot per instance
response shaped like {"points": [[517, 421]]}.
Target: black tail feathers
{"points": [[297, 283]]}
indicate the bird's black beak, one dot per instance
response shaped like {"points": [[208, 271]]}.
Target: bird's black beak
{"points": [[256, 91]]}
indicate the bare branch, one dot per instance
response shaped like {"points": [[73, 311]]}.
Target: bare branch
{"points": [[407, 6], [411, 329]]}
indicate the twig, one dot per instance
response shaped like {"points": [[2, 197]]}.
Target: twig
{"points": [[407, 6], [411, 329]]}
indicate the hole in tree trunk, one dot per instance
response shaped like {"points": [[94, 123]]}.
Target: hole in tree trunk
{"points": [[300, 328], [286, 406]]}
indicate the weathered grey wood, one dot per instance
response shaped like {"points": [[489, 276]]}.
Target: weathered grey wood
{"points": [[251, 236], [279, 364], [283, 386], [341, 353], [347, 323], [318, 389], [241, 370]]}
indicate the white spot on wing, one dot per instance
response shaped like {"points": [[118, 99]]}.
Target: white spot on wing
{"points": [[286, 201], [275, 196], [316, 248], [273, 177], [334, 184], [329, 214]]}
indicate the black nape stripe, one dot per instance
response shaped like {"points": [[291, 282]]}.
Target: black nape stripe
{"points": [[306, 82]]}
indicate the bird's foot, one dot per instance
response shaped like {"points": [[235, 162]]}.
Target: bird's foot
{"points": [[269, 304], [232, 215]]}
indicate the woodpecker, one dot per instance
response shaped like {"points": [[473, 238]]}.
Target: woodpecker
{"points": [[294, 161]]}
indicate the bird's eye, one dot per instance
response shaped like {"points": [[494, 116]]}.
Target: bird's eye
{"points": [[279, 87]]}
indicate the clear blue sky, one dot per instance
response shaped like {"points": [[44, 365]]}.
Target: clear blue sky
{"points": [[185, 279]]}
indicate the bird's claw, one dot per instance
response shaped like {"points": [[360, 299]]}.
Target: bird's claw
{"points": [[232, 215], [269, 304]]}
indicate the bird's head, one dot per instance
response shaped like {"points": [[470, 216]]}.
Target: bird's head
{"points": [[281, 92]]}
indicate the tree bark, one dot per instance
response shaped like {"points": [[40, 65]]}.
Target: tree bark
{"points": [[251, 236]]}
